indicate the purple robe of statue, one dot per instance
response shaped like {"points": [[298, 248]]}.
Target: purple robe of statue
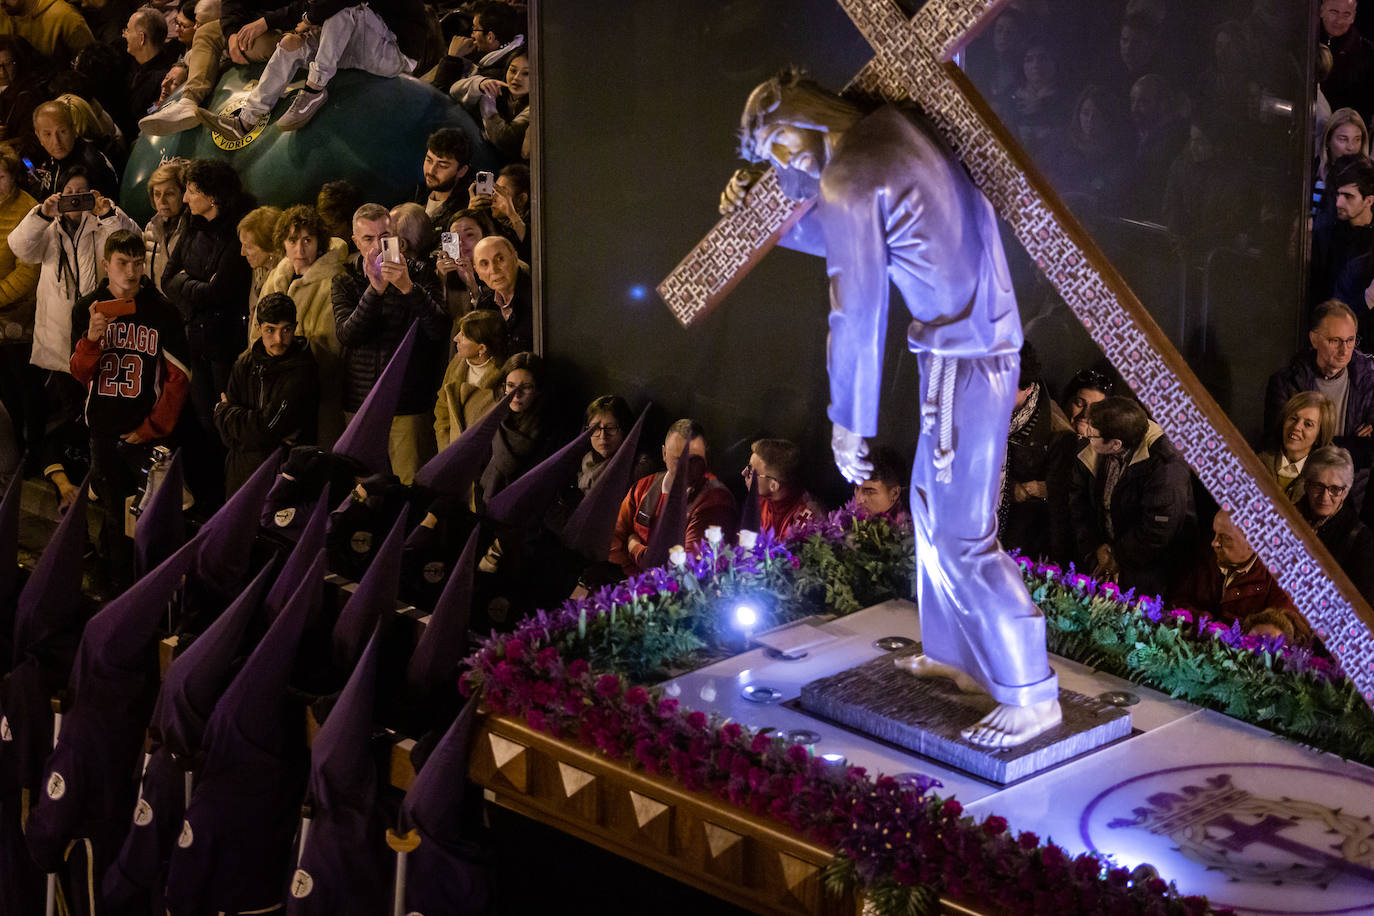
{"points": [[896, 207]]}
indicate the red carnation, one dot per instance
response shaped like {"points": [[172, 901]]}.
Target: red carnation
{"points": [[951, 808], [608, 685], [995, 826]]}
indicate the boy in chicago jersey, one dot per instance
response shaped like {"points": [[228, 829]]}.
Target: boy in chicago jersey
{"points": [[129, 350]]}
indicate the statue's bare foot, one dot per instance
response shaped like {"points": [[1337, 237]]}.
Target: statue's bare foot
{"points": [[925, 666], [1008, 726]]}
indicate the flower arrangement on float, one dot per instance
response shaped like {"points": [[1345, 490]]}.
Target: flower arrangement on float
{"points": [[579, 673]]}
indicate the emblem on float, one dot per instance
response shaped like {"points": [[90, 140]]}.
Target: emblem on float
{"points": [[1250, 838], [233, 105]]}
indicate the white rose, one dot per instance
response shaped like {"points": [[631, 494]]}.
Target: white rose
{"points": [[747, 539], [677, 556], [714, 536]]}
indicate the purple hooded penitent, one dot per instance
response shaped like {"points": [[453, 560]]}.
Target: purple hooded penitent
{"points": [[588, 530], [453, 470], [192, 686], [226, 540], [161, 528], [444, 874], [671, 523], [367, 437], [300, 559], [88, 782], [233, 852], [47, 626], [524, 500], [750, 517], [343, 865], [9, 565], [374, 596], [443, 645]]}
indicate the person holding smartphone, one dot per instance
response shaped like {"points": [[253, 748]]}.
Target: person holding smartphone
{"points": [[130, 354], [64, 235]]}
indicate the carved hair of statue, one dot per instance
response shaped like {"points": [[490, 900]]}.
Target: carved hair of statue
{"points": [[789, 98]]}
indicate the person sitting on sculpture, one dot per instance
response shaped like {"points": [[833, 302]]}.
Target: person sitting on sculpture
{"points": [[1131, 500], [893, 205], [386, 41]]}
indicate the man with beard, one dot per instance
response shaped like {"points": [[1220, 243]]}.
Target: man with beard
{"points": [[446, 167], [893, 206]]}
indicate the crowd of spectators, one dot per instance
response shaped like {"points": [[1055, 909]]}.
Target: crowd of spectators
{"points": [[231, 329]]}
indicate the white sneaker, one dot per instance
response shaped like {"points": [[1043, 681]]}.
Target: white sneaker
{"points": [[171, 118]]}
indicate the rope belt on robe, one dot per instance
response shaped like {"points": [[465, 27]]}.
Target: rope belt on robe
{"points": [[939, 405]]}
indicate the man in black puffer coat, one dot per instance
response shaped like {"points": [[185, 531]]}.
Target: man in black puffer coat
{"points": [[375, 301], [272, 394]]}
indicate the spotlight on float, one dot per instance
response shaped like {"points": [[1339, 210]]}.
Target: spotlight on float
{"points": [[746, 616]]}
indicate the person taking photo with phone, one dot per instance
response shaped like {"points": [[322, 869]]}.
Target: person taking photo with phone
{"points": [[65, 235], [130, 354]]}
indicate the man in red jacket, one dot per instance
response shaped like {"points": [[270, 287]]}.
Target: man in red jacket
{"points": [[1232, 584], [709, 501], [783, 502], [129, 350]]}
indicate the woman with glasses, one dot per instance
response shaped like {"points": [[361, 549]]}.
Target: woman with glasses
{"points": [[1326, 481], [608, 421]]}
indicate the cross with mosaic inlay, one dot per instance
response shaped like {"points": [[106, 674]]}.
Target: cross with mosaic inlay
{"points": [[913, 60]]}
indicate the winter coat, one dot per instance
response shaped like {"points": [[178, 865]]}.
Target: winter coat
{"points": [[461, 404], [271, 402], [521, 441], [1153, 523], [371, 325], [54, 28], [18, 280], [311, 292], [1249, 593], [207, 280], [505, 128], [70, 269], [1352, 544], [1301, 375], [161, 237]]}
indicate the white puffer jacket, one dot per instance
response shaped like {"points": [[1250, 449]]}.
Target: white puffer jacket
{"points": [[70, 269]]}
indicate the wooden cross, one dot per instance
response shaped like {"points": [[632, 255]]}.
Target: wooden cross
{"points": [[914, 60]]}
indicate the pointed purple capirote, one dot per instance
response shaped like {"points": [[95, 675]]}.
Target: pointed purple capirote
{"points": [[367, 437], [671, 524], [233, 852], [9, 564], [226, 540], [190, 690], [443, 645], [588, 529], [48, 603], [750, 516], [88, 785], [342, 868], [161, 528], [47, 626], [198, 676], [374, 597], [524, 500], [444, 873], [308, 546], [453, 470]]}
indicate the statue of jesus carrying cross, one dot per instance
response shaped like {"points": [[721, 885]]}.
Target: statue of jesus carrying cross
{"points": [[893, 203]]}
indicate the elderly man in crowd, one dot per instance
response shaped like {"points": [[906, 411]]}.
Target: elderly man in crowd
{"points": [[56, 133], [1230, 583], [499, 267]]}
